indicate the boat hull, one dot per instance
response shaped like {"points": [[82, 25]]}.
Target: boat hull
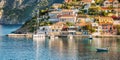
{"points": [[102, 50]]}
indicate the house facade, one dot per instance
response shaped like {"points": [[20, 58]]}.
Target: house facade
{"points": [[67, 16], [56, 28], [45, 29], [97, 28], [54, 16], [56, 5], [107, 25], [108, 3]]}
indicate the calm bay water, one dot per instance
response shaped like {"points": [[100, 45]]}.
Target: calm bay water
{"points": [[7, 28], [18, 48]]}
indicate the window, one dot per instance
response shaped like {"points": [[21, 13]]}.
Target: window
{"points": [[56, 30], [53, 30], [115, 3], [107, 3]]}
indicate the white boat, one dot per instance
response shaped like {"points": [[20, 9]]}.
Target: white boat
{"points": [[90, 37]]}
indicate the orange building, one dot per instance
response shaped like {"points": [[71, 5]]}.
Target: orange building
{"points": [[107, 25]]}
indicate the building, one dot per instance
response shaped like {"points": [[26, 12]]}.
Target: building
{"points": [[56, 5], [45, 29], [84, 18], [88, 1], [81, 27], [54, 16], [87, 4], [56, 28], [65, 15], [72, 30], [68, 12], [97, 28], [108, 3], [67, 18], [107, 25]]}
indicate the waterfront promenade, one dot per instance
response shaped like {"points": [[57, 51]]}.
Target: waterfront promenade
{"points": [[96, 36]]}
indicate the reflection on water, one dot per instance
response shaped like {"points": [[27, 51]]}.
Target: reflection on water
{"points": [[58, 49]]}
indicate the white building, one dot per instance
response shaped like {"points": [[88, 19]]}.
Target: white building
{"points": [[72, 30], [67, 15], [54, 16], [45, 29], [68, 12], [67, 18], [98, 29]]}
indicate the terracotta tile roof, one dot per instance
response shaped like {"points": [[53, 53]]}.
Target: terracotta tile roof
{"points": [[67, 10], [111, 0], [57, 25], [65, 26], [105, 20], [105, 8], [82, 24]]}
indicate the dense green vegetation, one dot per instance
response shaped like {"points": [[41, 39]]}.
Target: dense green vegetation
{"points": [[69, 24], [33, 24], [118, 29], [90, 28]]}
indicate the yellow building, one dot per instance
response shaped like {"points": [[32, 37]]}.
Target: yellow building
{"points": [[107, 25], [56, 28]]}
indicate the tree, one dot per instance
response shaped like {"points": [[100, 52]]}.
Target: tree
{"points": [[69, 24], [90, 28], [118, 29], [98, 2]]}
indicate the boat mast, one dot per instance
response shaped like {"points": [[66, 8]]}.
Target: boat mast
{"points": [[38, 15]]}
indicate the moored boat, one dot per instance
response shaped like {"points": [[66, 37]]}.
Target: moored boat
{"points": [[102, 49], [90, 37]]}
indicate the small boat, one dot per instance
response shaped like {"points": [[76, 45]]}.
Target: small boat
{"points": [[90, 37], [102, 49]]}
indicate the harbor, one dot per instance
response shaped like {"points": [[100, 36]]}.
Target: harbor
{"points": [[60, 48], [59, 36], [52, 30]]}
